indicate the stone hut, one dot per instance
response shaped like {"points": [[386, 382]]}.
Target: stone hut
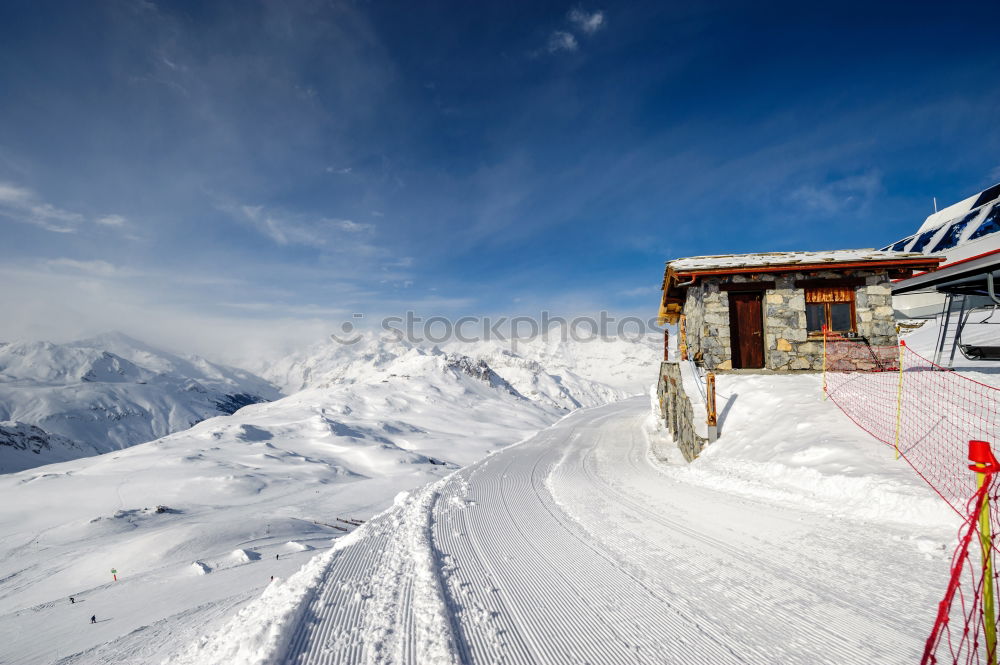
{"points": [[766, 311]]}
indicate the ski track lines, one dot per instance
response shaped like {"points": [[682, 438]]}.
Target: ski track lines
{"points": [[381, 600], [573, 548]]}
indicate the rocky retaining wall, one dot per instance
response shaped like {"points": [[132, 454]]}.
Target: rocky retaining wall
{"points": [[678, 412]]}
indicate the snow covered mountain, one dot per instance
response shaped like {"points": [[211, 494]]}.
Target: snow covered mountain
{"points": [[554, 372], [571, 374], [196, 522], [235, 492], [106, 393]]}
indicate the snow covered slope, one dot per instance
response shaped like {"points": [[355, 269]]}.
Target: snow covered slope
{"points": [[576, 547], [107, 393], [234, 492], [578, 519]]}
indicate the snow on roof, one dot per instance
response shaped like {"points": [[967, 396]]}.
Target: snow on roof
{"points": [[766, 259], [960, 231]]}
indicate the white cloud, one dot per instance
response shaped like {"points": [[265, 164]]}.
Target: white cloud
{"points": [[111, 220], [562, 41], [282, 229], [341, 236], [100, 268], [52, 301], [587, 22], [853, 193], [640, 291], [23, 205], [285, 309], [402, 262], [353, 227]]}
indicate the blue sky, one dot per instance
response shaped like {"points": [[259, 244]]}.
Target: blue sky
{"points": [[199, 172]]}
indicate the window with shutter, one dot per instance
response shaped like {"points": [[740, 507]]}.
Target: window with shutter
{"points": [[832, 307]]}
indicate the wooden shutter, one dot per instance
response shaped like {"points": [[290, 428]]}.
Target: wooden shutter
{"points": [[830, 294]]}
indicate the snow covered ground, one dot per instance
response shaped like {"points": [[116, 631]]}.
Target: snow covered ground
{"points": [[794, 538], [244, 497], [577, 546]]}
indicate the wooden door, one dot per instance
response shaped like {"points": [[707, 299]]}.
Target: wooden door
{"points": [[746, 329]]}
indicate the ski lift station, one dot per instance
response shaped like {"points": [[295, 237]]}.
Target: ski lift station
{"points": [[963, 291]]}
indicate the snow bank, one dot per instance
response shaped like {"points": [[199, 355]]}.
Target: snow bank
{"points": [[244, 556], [200, 568], [781, 442], [260, 631]]}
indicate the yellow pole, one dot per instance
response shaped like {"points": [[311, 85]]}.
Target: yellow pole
{"points": [[712, 418], [989, 611], [824, 362], [899, 397], [683, 341]]}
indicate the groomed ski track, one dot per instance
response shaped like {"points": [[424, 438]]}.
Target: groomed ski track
{"points": [[576, 547]]}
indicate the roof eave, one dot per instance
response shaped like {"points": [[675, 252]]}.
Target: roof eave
{"points": [[915, 264]]}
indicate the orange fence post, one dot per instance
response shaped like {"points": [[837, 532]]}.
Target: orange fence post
{"points": [[682, 346], [712, 419]]}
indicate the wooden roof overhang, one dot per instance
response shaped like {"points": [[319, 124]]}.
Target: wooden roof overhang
{"points": [[675, 283]]}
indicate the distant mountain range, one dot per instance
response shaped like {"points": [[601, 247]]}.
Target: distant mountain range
{"points": [[555, 372], [62, 401], [65, 401]]}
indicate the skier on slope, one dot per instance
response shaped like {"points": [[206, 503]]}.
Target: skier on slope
{"points": [[72, 601], [93, 619]]}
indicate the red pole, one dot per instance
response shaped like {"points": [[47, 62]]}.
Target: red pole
{"points": [[666, 345]]}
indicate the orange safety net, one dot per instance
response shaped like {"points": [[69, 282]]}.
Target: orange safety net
{"points": [[930, 415]]}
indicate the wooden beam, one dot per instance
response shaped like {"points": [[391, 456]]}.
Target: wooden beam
{"points": [[747, 286], [820, 283]]}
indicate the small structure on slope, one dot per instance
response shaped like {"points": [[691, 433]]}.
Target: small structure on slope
{"points": [[767, 311]]}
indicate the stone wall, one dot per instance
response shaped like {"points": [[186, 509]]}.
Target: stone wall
{"points": [[706, 313], [677, 412], [787, 343]]}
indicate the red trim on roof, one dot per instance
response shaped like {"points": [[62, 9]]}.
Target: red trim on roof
{"points": [[803, 267], [953, 263]]}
